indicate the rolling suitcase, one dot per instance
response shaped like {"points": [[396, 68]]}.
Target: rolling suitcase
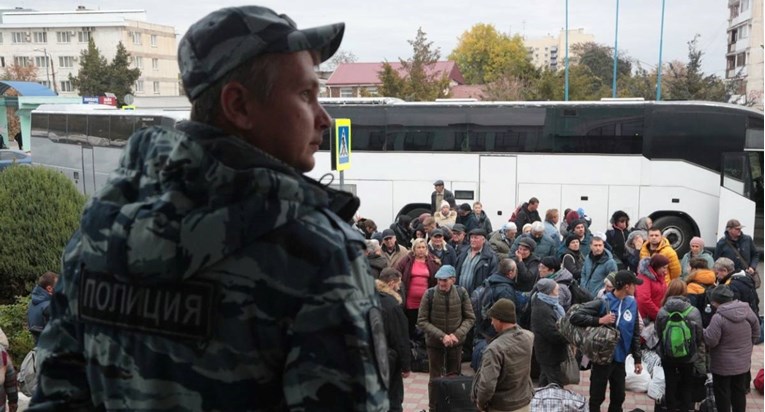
{"points": [[452, 393]]}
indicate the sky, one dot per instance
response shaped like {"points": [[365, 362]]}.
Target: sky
{"points": [[379, 30]]}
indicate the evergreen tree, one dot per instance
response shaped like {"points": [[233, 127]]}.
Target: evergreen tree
{"points": [[121, 76], [419, 80], [97, 77]]}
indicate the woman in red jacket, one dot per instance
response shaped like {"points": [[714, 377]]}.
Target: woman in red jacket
{"points": [[650, 294], [418, 270]]}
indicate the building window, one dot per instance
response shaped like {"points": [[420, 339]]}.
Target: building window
{"points": [[41, 61], [136, 38], [139, 86], [63, 37], [138, 62], [153, 40], [372, 91], [744, 5], [346, 92], [44, 83], [83, 36], [66, 86], [65, 61], [743, 31], [2, 61], [155, 64], [19, 37], [23, 61], [156, 87], [1, 38], [741, 60], [40, 36]]}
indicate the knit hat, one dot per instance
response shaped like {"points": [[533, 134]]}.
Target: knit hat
{"points": [[446, 272], [551, 262], [445, 203], [546, 286], [571, 216], [658, 260], [697, 241], [722, 294], [503, 310], [570, 238], [528, 243]]}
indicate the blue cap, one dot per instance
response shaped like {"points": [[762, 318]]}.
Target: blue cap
{"points": [[446, 272]]}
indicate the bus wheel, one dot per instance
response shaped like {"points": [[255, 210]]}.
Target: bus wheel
{"points": [[415, 213], [677, 231]]}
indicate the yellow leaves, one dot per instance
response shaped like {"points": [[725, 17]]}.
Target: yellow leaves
{"points": [[484, 54]]}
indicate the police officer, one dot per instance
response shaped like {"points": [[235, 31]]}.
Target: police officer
{"points": [[195, 281]]}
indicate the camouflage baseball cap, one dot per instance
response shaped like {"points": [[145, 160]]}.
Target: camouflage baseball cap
{"points": [[226, 38]]}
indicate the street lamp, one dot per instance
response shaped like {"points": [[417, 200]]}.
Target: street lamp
{"points": [[616, 49], [661, 45], [47, 63]]}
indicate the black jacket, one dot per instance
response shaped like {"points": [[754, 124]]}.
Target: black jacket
{"points": [[396, 333], [549, 344], [526, 216], [743, 289], [448, 196], [617, 240], [528, 272], [745, 247], [448, 256]]}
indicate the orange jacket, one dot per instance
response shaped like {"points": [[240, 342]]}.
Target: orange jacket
{"points": [[698, 279], [665, 249]]}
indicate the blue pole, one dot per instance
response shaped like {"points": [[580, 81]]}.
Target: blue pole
{"points": [[565, 92], [616, 49], [661, 45]]}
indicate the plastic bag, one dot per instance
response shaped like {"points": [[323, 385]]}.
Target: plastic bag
{"points": [[657, 387], [634, 382]]}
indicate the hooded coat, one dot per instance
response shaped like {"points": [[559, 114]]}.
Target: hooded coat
{"points": [[38, 312], [250, 283], [729, 338], [743, 289], [650, 294]]}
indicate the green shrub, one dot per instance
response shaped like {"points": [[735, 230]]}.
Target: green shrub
{"points": [[13, 321], [40, 211]]}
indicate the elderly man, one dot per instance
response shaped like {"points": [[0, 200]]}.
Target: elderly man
{"points": [[477, 263], [446, 316], [439, 195], [391, 250], [442, 249], [213, 230], [738, 247], [503, 382], [502, 240], [545, 246]]}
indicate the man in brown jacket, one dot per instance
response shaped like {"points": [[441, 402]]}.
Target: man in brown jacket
{"points": [[446, 316], [503, 381]]}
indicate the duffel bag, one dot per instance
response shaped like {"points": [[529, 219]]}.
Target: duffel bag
{"points": [[554, 398], [596, 342]]}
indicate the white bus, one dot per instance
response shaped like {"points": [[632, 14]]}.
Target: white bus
{"points": [[691, 166]]}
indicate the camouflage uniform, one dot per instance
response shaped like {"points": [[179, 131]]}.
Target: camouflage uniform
{"points": [[207, 275]]}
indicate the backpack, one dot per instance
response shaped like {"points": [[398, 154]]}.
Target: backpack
{"points": [[678, 340], [524, 318], [27, 374], [578, 293]]}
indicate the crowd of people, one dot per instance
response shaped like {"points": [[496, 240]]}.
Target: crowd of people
{"points": [[496, 297]]}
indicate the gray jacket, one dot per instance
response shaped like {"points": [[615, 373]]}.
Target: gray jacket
{"points": [[730, 336]]}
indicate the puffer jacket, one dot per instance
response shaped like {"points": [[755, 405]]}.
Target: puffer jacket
{"points": [[650, 294], [685, 262], [222, 237], [729, 338], [743, 289], [699, 280], [503, 382], [665, 249], [595, 270], [443, 313], [679, 304]]}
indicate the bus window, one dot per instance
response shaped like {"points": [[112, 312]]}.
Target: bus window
{"points": [[76, 128], [57, 127], [147, 121], [425, 128], [98, 130], [121, 129], [754, 135], [40, 125]]}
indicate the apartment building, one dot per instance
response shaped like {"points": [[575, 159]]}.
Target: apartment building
{"points": [[52, 41], [550, 51], [744, 57]]}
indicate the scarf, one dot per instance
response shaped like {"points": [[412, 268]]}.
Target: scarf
{"points": [[552, 301]]}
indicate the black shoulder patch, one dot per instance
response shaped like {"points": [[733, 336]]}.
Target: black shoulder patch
{"points": [[182, 310]]}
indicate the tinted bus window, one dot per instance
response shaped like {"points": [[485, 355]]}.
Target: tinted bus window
{"points": [[57, 127], [507, 129], [754, 134], [121, 128], [76, 128], [39, 125], [98, 130], [426, 128], [367, 126], [599, 130]]}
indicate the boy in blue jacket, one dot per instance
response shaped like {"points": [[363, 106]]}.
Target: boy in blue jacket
{"points": [[618, 308]]}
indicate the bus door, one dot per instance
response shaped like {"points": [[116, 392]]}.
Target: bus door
{"points": [[88, 170], [740, 187]]}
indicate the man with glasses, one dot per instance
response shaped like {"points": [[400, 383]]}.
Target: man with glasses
{"points": [[738, 247]]}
